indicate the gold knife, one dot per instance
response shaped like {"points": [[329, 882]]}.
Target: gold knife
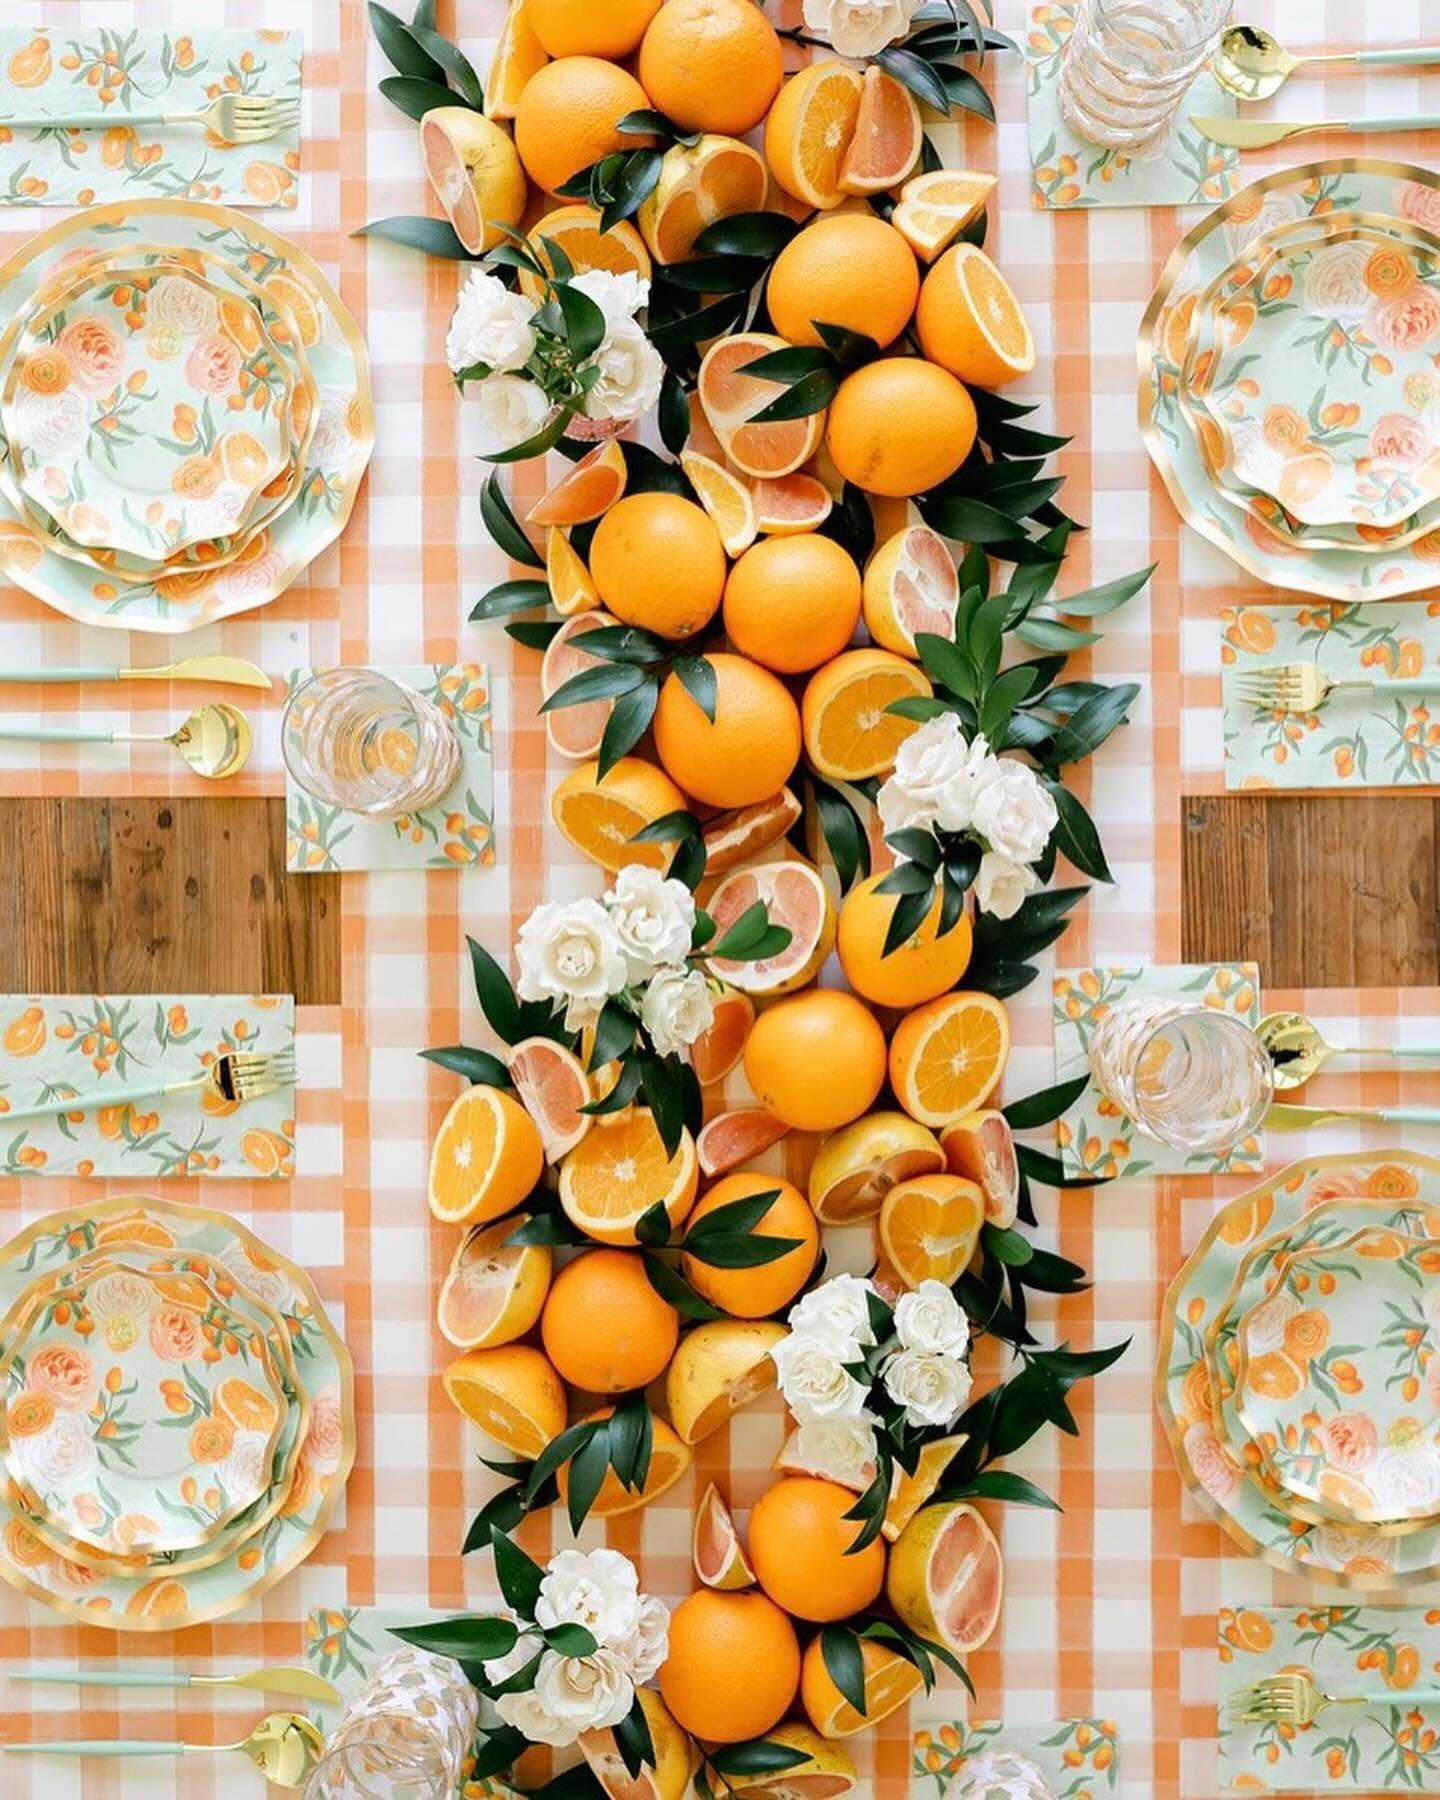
{"points": [[221, 671], [1284, 1117], [301, 1684], [1259, 134]]}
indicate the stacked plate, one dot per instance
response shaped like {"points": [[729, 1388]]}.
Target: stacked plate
{"points": [[179, 1415], [1288, 393], [1299, 1373], [185, 414]]}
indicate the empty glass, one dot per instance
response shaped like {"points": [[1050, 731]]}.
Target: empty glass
{"points": [[405, 1736], [1129, 64], [1191, 1077], [356, 739]]}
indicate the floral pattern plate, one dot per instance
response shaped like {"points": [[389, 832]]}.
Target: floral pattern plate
{"points": [[158, 1600], [340, 447], [118, 1393], [1207, 250]]}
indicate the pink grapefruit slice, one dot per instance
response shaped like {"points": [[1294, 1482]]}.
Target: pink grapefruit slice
{"points": [[794, 896], [946, 1577], [733, 1138], [730, 400], [911, 585], [552, 1086], [574, 731], [715, 1548], [981, 1147], [785, 504]]}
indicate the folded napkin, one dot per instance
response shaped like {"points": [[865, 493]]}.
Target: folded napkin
{"points": [[1079, 1758]]}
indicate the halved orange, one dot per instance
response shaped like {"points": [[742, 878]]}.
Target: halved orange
{"points": [[946, 1058], [730, 398], [718, 1368], [970, 323], [796, 897], [574, 731], [576, 229], [936, 207], [552, 1086], [716, 1552], [511, 1393], [725, 497], [519, 54], [611, 1179], [787, 504], [719, 1048], [492, 1293], [856, 1166], [929, 1227], [487, 1156], [669, 1459], [946, 1578], [571, 589], [890, 1680], [885, 145], [849, 734], [911, 585], [809, 130], [585, 491], [600, 818], [699, 184], [733, 1138], [472, 165]]}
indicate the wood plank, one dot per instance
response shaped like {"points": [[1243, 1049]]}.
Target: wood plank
{"points": [[155, 895]]}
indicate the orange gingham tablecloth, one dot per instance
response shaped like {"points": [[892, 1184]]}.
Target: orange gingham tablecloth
{"points": [[1111, 1604]]}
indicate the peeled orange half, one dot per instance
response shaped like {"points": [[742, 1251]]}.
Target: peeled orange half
{"points": [[730, 399], [795, 897], [574, 731], [492, 1294]]}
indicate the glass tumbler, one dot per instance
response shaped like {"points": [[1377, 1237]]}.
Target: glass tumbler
{"points": [[405, 1736], [1129, 64], [359, 740], [1191, 1077]]}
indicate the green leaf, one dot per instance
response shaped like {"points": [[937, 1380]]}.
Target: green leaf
{"points": [[504, 527], [762, 234], [511, 597], [534, 634], [475, 1639], [672, 1286], [741, 941], [947, 664], [1054, 1274], [600, 683], [1049, 1171], [1075, 834], [632, 1440], [757, 1756], [919, 707], [521, 1681], [693, 328], [436, 237], [964, 92], [1107, 597], [533, 446], [495, 994], [1005, 693], [518, 1574], [653, 1227], [741, 1252], [627, 644], [660, 1084], [850, 348], [1050, 634], [559, 1451], [915, 73], [1089, 726], [628, 722], [922, 847], [570, 1639], [697, 676], [971, 521], [674, 413], [633, 1740], [1008, 1247], [845, 1663], [632, 187], [790, 364], [645, 122], [549, 1228], [614, 1034], [810, 395], [584, 321], [909, 914], [1046, 1106], [669, 828], [400, 44], [844, 834], [588, 1467], [477, 1066], [454, 63], [414, 95], [709, 275], [1000, 1484], [732, 1219]]}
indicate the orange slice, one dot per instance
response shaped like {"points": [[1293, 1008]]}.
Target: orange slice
{"points": [[718, 1368], [786, 504], [724, 497], [911, 585], [571, 589], [512, 1394], [667, 1778], [946, 1578], [584, 492], [809, 129], [970, 323], [719, 1048], [911, 1492], [795, 897], [857, 1166], [574, 731], [699, 184], [935, 208], [848, 732], [487, 1156], [946, 1058], [929, 1227], [733, 1138], [730, 398], [576, 229], [669, 1459], [981, 1147], [715, 1548], [738, 836], [492, 1294], [552, 1086], [612, 1178], [885, 145], [244, 1405], [600, 818], [890, 1680], [828, 1773], [519, 54]]}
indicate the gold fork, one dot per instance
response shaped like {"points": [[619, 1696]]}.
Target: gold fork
{"points": [[1296, 1700], [238, 1075], [238, 118], [1302, 688]]}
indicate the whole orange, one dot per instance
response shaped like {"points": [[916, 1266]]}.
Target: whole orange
{"points": [[733, 1665], [816, 1059], [580, 28], [924, 966], [657, 562], [757, 1292], [567, 114], [801, 1546], [716, 65], [851, 269], [750, 750], [900, 426], [792, 602], [640, 1329]]}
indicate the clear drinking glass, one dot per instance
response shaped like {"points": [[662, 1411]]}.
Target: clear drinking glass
{"points": [[1129, 64], [1191, 1077], [357, 739], [405, 1736]]}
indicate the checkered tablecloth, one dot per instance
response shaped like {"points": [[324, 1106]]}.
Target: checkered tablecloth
{"points": [[1111, 1604]]}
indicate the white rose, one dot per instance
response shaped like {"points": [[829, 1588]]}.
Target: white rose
{"points": [[999, 1775], [678, 1007], [860, 27], [654, 916], [52, 424], [842, 1450], [838, 1309], [932, 1389], [1265, 1324], [598, 1589], [490, 325], [245, 1473], [932, 1318], [1002, 886], [581, 1693], [814, 1380], [570, 951], [936, 778], [331, 442], [512, 409], [60, 1455], [1014, 812], [631, 372], [530, 1716], [649, 1643], [1257, 463], [1334, 285], [619, 297], [1405, 1483], [191, 309]]}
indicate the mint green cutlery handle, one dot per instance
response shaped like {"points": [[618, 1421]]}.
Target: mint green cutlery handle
{"points": [[119, 1678], [100, 1747], [1416, 53], [82, 121], [1418, 684], [54, 677], [1410, 1115], [108, 1096], [1402, 122], [52, 734]]}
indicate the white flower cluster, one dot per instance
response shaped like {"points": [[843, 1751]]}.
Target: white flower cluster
{"points": [[999, 1775], [944, 782], [926, 1373], [598, 1589], [493, 328], [860, 27], [582, 953]]}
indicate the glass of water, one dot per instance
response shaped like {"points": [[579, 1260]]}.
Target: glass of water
{"points": [[1129, 64], [1191, 1077], [357, 739]]}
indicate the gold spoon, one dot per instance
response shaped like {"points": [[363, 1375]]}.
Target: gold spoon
{"points": [[215, 740], [222, 671], [1252, 65], [1297, 1050], [284, 1747], [298, 1684]]}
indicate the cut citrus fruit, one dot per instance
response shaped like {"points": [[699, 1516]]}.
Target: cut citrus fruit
{"points": [[849, 733], [718, 1049], [856, 1167], [789, 503], [926, 964], [885, 145], [724, 497], [796, 1456], [911, 585], [719, 1367], [611, 1179], [756, 1292], [476, 175], [733, 1138], [795, 897], [828, 1772], [584, 492], [552, 1086], [244, 1405], [640, 1333], [715, 1547], [947, 1577], [946, 1059], [666, 1778], [969, 321], [730, 399], [810, 129], [806, 1552], [735, 837], [817, 1059], [600, 818], [890, 1680], [519, 54], [909, 1493], [929, 1227], [492, 1294], [699, 184], [936, 207], [733, 1667], [981, 1147], [512, 1394], [576, 229], [487, 1156], [571, 589], [574, 731], [669, 1459]]}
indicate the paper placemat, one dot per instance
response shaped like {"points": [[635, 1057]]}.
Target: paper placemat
{"points": [[459, 833], [53, 1046], [1069, 172], [1079, 1757], [1394, 1746], [1094, 1136], [120, 70], [1355, 740]]}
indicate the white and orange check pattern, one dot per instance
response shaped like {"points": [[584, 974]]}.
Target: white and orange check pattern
{"points": [[1111, 1604]]}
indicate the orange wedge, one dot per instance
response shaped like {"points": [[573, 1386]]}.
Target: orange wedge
{"points": [[946, 1058], [795, 897], [576, 229], [733, 1138], [612, 1178], [584, 492], [724, 497], [719, 1048], [669, 1459], [571, 589], [730, 398], [519, 54], [552, 1086], [885, 145], [946, 1578], [512, 1394], [828, 1773], [574, 731], [856, 1167], [785, 504], [911, 585], [600, 818], [935, 208], [929, 1227], [475, 172], [486, 1158], [718, 1368], [890, 1680], [910, 1492], [713, 179], [981, 1147], [809, 131], [667, 1778], [848, 732], [492, 1294], [970, 323], [715, 1548]]}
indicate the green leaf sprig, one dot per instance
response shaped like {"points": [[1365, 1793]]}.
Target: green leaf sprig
{"points": [[619, 184]]}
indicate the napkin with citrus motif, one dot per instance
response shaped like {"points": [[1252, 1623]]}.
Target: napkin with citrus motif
{"points": [[1079, 1758]]}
